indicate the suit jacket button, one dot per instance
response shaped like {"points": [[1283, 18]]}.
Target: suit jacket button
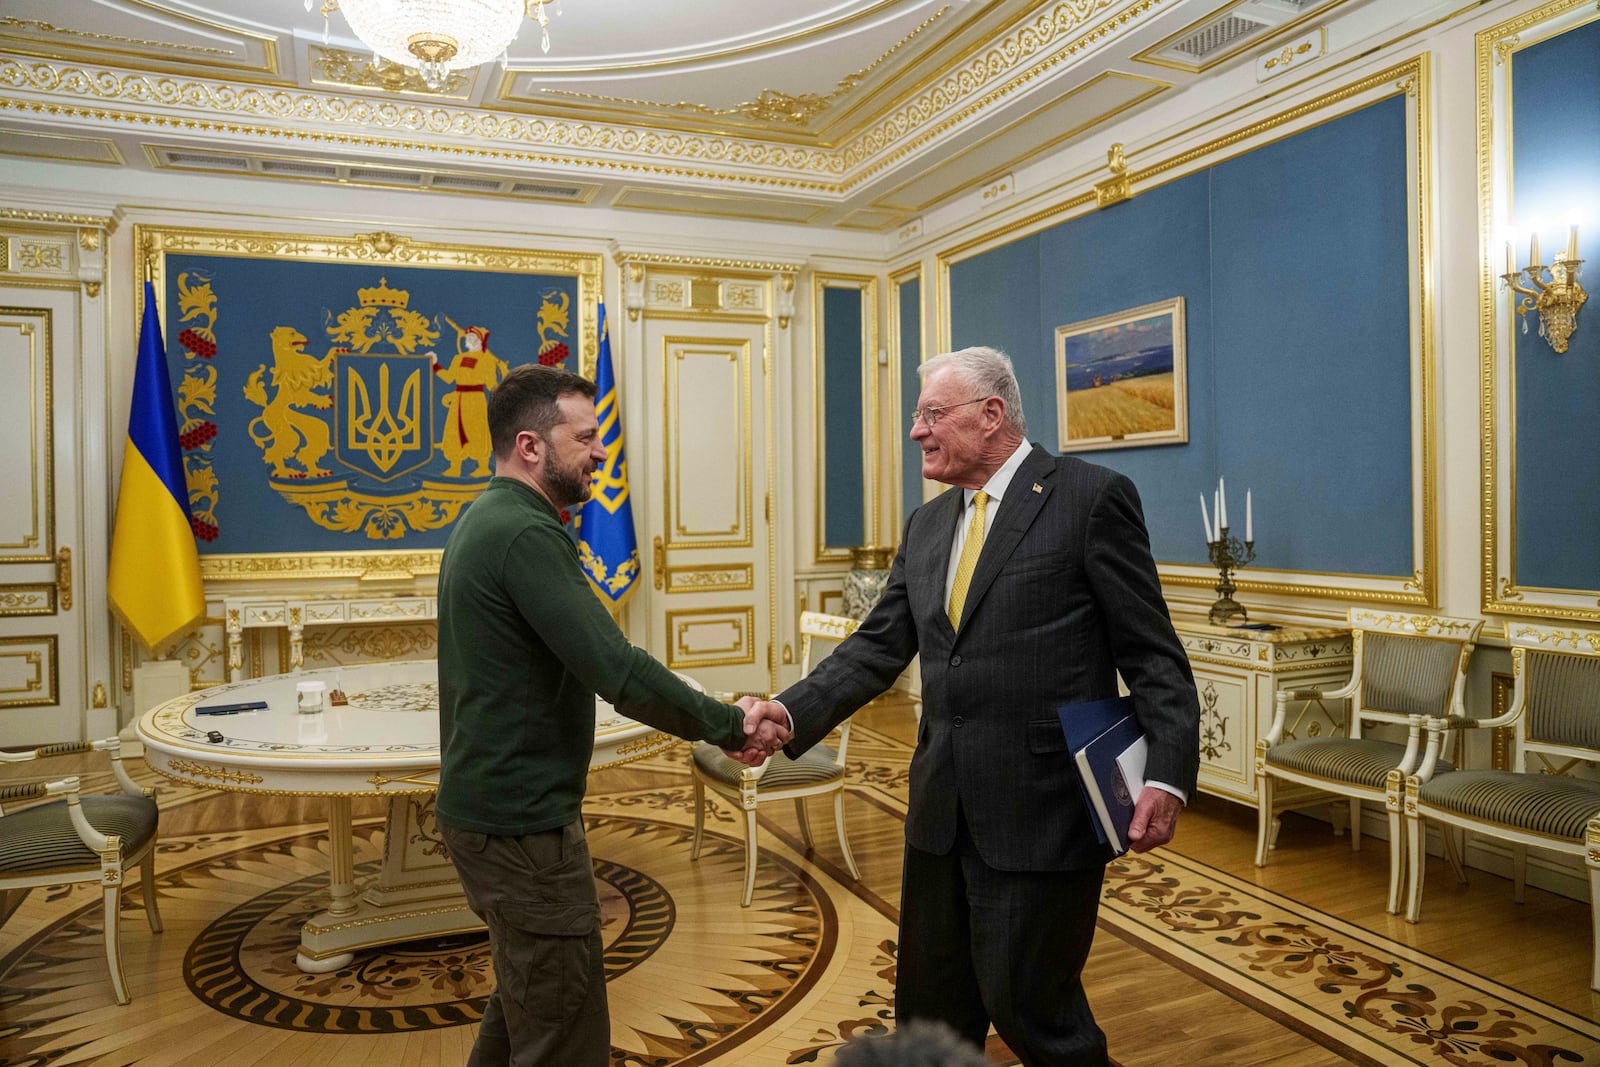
{"points": [[955, 661], [959, 720]]}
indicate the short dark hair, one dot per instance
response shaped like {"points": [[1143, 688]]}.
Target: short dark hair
{"points": [[529, 399], [919, 1043]]}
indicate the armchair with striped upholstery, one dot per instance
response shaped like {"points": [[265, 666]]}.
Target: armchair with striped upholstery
{"points": [[80, 839], [1407, 669], [1555, 726], [819, 772]]}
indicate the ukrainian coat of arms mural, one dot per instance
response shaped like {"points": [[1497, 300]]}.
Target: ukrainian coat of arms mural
{"points": [[332, 393]]}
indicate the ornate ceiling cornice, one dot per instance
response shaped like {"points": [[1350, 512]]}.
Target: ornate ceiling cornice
{"points": [[1020, 59]]}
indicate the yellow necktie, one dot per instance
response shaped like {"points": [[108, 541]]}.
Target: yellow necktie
{"points": [[969, 559]]}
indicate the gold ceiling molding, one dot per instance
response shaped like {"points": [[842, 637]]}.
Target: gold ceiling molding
{"points": [[772, 105], [868, 153], [991, 75], [671, 260], [10, 22], [58, 218], [358, 71], [299, 108]]}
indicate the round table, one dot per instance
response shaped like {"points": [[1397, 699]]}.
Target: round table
{"points": [[383, 741]]}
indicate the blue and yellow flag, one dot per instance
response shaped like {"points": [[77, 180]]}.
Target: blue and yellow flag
{"points": [[154, 579], [607, 546]]}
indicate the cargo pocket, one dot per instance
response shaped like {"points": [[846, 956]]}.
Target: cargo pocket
{"points": [[549, 949]]}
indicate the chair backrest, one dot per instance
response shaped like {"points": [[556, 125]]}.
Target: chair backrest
{"points": [[1557, 672], [829, 628], [1410, 664]]}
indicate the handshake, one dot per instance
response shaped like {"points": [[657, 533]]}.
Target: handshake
{"points": [[766, 730]]}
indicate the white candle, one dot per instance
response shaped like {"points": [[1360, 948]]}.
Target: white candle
{"points": [[1206, 518], [1572, 242], [1216, 516], [1511, 260], [1533, 250], [1249, 524], [1222, 503]]}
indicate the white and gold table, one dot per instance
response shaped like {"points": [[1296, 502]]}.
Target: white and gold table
{"points": [[383, 742]]}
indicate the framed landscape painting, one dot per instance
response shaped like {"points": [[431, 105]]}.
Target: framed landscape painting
{"points": [[1120, 379]]}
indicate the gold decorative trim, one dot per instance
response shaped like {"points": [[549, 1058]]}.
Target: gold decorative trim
{"points": [[742, 617], [867, 288], [737, 349], [42, 653], [710, 577], [219, 774], [1499, 591], [898, 440], [27, 598], [353, 70], [9, 22], [631, 259], [37, 324], [59, 218]]}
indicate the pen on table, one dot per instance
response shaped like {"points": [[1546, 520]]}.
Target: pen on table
{"points": [[231, 709]]}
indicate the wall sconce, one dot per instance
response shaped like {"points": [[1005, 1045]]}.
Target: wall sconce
{"points": [[1558, 300]]}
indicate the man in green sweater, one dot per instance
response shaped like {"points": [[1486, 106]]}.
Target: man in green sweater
{"points": [[524, 646]]}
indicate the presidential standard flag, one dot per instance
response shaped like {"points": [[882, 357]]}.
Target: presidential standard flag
{"points": [[607, 547], [154, 580]]}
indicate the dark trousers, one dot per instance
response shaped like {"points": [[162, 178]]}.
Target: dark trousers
{"points": [[536, 894], [980, 945]]}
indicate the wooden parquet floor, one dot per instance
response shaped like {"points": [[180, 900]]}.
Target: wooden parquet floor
{"points": [[1203, 959]]}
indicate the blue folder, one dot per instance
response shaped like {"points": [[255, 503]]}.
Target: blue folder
{"points": [[1081, 724]]}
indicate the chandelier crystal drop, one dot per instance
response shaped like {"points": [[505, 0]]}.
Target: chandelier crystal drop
{"points": [[440, 36]]}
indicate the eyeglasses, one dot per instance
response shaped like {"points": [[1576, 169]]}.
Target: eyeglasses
{"points": [[931, 415]]}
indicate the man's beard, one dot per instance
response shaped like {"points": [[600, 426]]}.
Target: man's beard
{"points": [[565, 484]]}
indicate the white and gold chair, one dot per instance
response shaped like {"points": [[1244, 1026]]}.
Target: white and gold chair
{"points": [[819, 772], [1407, 669], [80, 839], [1554, 719]]}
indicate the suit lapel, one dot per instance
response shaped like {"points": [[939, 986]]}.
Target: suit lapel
{"points": [[1029, 489], [934, 558]]}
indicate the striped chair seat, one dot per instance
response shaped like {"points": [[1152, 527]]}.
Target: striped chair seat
{"points": [[1356, 761], [1547, 804], [815, 766], [41, 839]]}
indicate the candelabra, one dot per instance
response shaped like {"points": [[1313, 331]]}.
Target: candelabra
{"points": [[1227, 555], [1558, 300]]}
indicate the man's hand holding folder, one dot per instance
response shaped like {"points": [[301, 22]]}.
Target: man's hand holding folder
{"points": [[1155, 810]]}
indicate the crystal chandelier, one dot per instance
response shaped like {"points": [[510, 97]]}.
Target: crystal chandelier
{"points": [[440, 36]]}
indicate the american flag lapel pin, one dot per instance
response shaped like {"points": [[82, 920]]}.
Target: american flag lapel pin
{"points": [[1037, 488]]}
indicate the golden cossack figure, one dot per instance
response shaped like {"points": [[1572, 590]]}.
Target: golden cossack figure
{"points": [[474, 371]]}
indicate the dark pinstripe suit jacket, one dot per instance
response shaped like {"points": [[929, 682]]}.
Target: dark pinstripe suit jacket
{"points": [[1064, 596]]}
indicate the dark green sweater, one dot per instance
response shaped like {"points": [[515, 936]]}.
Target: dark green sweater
{"points": [[524, 646]]}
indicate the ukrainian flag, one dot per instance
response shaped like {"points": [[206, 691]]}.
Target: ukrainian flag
{"points": [[607, 546], [154, 582]]}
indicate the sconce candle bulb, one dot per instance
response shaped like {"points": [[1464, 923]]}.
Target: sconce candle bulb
{"points": [[1557, 300]]}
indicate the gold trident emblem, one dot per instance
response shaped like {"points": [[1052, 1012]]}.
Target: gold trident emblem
{"points": [[383, 435]]}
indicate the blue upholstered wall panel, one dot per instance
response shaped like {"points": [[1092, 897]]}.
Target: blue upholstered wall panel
{"points": [[1147, 249], [1312, 325], [910, 299], [1292, 263], [846, 521], [1555, 96]]}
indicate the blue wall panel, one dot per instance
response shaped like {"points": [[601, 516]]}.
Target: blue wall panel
{"points": [[1151, 248], [846, 520], [1311, 316], [910, 298], [1292, 261], [1555, 95]]}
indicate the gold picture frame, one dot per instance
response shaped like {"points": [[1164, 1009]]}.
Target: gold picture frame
{"points": [[1122, 379]]}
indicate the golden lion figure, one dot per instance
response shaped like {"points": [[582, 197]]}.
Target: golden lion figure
{"points": [[290, 434]]}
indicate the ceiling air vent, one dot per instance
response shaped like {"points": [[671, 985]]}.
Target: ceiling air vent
{"points": [[1218, 35], [550, 192], [207, 161], [465, 184], [386, 177], [298, 170]]}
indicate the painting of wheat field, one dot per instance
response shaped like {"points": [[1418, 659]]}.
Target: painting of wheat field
{"points": [[1120, 379]]}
